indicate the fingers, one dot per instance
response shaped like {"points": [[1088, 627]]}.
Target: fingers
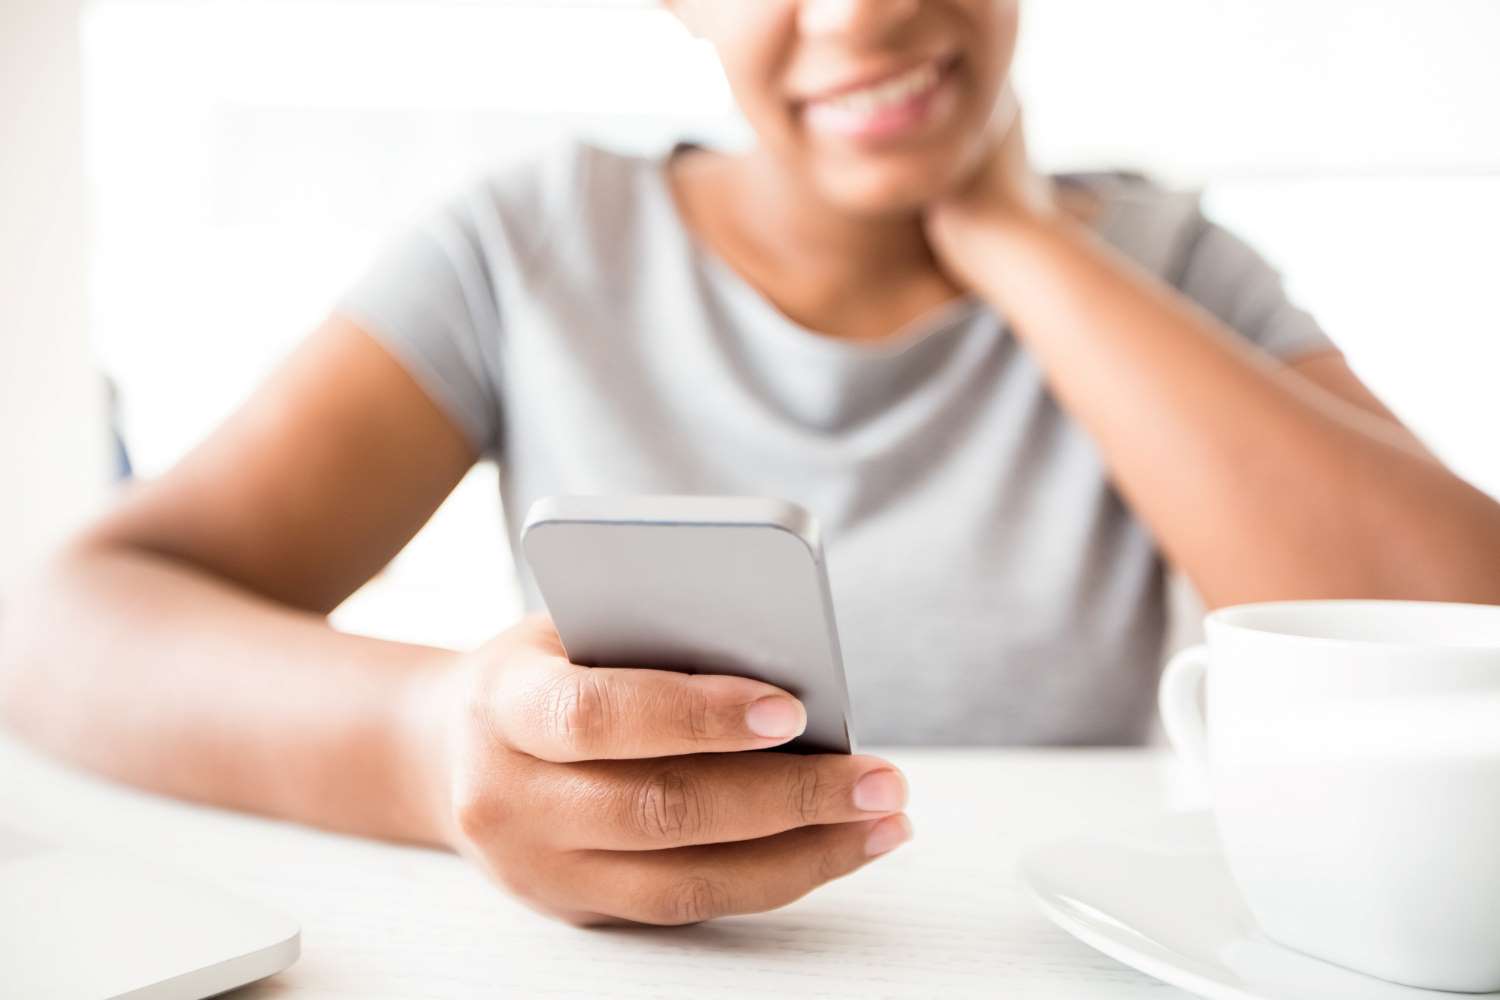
{"points": [[691, 884], [547, 707], [610, 794], [711, 798]]}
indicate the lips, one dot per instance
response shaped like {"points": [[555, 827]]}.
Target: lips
{"points": [[885, 92], [891, 106]]}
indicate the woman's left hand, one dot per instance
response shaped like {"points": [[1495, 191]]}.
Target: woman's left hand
{"points": [[1004, 188]]}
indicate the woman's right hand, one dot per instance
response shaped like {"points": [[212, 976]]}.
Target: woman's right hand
{"points": [[602, 796]]}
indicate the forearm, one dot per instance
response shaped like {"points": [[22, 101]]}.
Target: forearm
{"points": [[162, 676], [1256, 482]]}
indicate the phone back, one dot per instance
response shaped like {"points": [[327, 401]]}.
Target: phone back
{"points": [[721, 585]]}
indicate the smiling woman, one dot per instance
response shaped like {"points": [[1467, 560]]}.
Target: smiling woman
{"points": [[884, 126], [1013, 398]]}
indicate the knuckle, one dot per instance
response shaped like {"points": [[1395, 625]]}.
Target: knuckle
{"points": [[517, 867], [805, 791], [492, 826], [479, 814], [471, 816], [670, 805], [578, 711], [483, 804], [829, 864], [694, 709], [692, 900]]}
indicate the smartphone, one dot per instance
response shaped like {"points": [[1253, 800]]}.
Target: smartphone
{"points": [[700, 584]]}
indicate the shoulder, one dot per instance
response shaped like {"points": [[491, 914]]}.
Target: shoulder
{"points": [[570, 201], [1156, 225], [1167, 232]]}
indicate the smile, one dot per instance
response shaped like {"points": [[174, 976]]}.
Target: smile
{"points": [[888, 93], [895, 107]]}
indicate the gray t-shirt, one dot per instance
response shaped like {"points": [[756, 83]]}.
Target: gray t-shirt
{"points": [[990, 585]]}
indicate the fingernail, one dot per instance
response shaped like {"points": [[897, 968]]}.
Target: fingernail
{"points": [[889, 834], [776, 718], [880, 792]]}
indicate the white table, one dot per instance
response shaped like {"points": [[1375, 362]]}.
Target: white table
{"points": [[943, 916]]}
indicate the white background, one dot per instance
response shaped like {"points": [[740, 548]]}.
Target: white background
{"points": [[245, 156], [52, 424]]}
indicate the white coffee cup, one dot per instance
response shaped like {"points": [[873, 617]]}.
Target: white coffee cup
{"points": [[1353, 751]]}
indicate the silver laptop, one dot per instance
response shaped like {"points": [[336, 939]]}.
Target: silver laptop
{"points": [[76, 925]]}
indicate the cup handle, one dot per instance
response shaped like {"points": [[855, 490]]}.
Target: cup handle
{"points": [[1180, 699]]}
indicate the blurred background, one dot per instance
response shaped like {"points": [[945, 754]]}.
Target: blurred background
{"points": [[187, 185]]}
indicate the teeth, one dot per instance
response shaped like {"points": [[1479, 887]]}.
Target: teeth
{"points": [[891, 93]]}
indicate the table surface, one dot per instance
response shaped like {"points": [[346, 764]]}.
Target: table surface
{"points": [[942, 916]]}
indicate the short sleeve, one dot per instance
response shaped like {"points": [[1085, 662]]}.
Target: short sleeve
{"points": [[1230, 279], [429, 297]]}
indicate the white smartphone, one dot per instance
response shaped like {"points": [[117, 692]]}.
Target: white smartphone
{"points": [[709, 585]]}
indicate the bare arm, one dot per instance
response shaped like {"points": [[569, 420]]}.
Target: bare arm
{"points": [[180, 643], [181, 646], [1260, 480]]}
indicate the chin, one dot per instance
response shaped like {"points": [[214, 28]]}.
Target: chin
{"points": [[889, 188]]}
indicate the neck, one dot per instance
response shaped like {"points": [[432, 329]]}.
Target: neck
{"points": [[842, 274], [784, 216]]}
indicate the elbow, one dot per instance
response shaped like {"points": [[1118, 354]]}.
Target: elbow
{"points": [[35, 623], [1451, 552]]}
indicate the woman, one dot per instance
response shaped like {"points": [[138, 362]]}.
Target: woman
{"points": [[1009, 398]]}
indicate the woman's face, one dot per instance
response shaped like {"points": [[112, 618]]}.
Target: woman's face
{"points": [[881, 105]]}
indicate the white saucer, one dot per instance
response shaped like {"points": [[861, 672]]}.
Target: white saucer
{"points": [[1161, 900]]}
